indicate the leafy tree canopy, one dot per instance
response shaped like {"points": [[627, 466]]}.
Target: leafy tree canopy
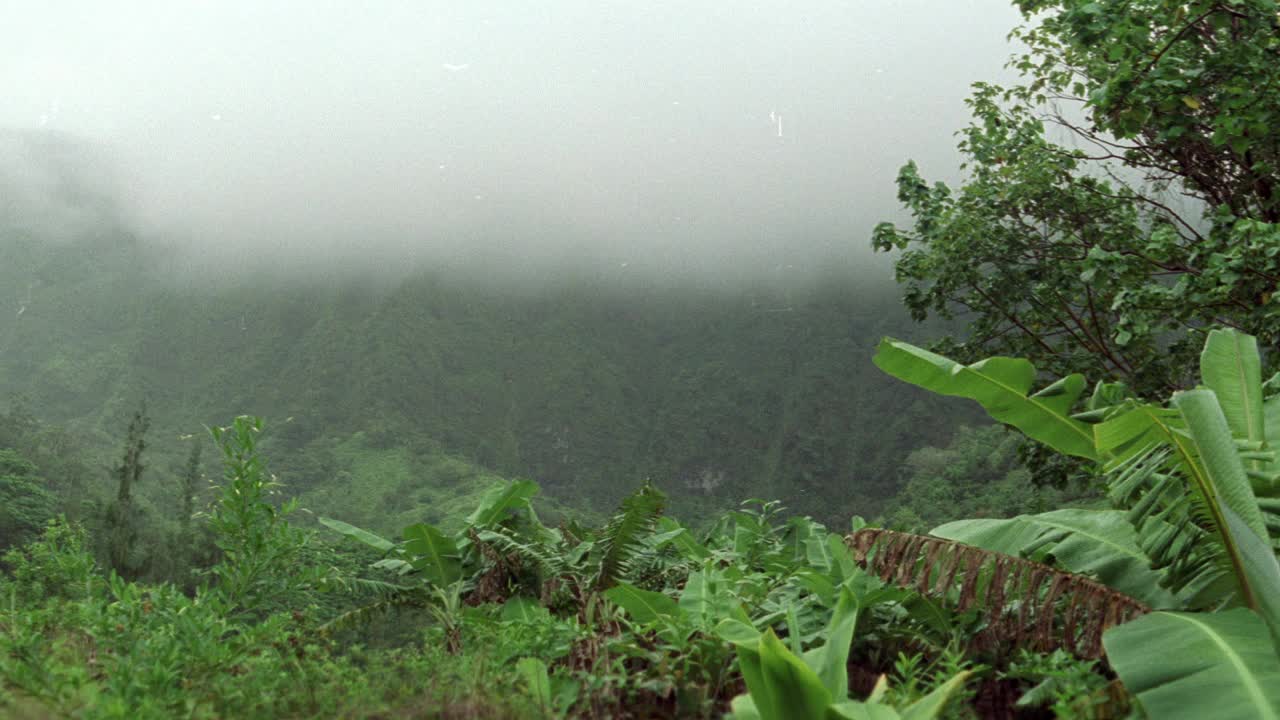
{"points": [[1119, 200], [25, 504]]}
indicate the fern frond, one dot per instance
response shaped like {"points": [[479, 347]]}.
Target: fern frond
{"points": [[622, 538], [1027, 604]]}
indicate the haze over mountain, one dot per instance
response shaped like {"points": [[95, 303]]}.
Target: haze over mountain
{"points": [[725, 140]]}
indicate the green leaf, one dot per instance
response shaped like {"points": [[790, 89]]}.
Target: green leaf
{"points": [[1231, 368], [816, 583], [1222, 477], [433, 554], [1100, 543], [932, 705], [523, 609], [841, 557], [737, 632], [1201, 665], [534, 673], [622, 539], [706, 598], [1262, 572], [1271, 423], [1000, 385], [743, 708], [854, 710], [672, 532], [1194, 486], [564, 693], [830, 661], [355, 533], [643, 606], [791, 688], [818, 552], [502, 499]]}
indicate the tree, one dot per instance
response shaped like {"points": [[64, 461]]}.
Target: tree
{"points": [[121, 518], [976, 475], [190, 489], [1119, 202], [25, 503]]}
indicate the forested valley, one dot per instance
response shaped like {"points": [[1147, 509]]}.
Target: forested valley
{"points": [[388, 399], [1015, 457]]}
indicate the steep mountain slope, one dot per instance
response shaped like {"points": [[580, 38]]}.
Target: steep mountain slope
{"points": [[588, 384]]}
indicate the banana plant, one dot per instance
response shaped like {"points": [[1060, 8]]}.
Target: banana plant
{"points": [[785, 682], [442, 563], [504, 547], [1198, 479]]}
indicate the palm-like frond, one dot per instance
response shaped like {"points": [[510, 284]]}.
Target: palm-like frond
{"points": [[622, 538], [1027, 604], [547, 558], [1177, 471], [1169, 524]]}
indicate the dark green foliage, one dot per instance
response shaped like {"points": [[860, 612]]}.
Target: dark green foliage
{"points": [[191, 487], [1071, 687], [978, 475], [25, 503], [56, 564], [190, 542], [123, 518], [54, 450], [408, 402]]}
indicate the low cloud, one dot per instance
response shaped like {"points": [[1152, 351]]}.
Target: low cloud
{"points": [[717, 140]]}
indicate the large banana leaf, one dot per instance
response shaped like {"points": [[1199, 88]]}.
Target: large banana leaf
{"points": [[1223, 472], [671, 531], [1218, 484], [1001, 385], [644, 606], [782, 686], [831, 659], [1196, 666], [1231, 368], [433, 553], [502, 499], [1271, 419], [1262, 573], [1100, 543], [374, 541]]}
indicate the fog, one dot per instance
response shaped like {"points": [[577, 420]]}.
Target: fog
{"points": [[734, 138]]}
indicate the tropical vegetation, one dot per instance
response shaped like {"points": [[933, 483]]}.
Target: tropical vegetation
{"points": [[490, 501]]}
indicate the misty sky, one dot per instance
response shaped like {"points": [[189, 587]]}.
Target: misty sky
{"points": [[660, 134]]}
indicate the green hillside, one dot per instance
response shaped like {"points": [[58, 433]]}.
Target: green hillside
{"points": [[587, 387]]}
